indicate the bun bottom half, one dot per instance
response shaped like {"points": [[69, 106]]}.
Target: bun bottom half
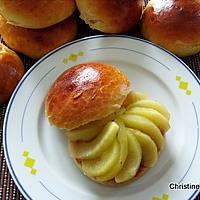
{"points": [[35, 43]]}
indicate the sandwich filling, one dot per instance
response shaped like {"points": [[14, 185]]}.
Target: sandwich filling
{"points": [[120, 146]]}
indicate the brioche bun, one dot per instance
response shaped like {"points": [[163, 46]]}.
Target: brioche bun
{"points": [[174, 25], [110, 16], [85, 93], [35, 43], [36, 14], [11, 71]]}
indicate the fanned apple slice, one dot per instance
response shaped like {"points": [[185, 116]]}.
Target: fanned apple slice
{"points": [[133, 97], [89, 150], [101, 165], [147, 103], [156, 117], [149, 149], [91, 130], [132, 162], [84, 134], [123, 142], [145, 125]]}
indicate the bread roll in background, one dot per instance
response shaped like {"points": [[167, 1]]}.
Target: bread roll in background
{"points": [[35, 43], [11, 71], [110, 16], [85, 93], [174, 25], [36, 13]]}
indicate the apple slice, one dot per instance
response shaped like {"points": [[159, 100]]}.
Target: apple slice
{"points": [[91, 130], [145, 125], [84, 133], [101, 165], [132, 162], [133, 97], [147, 103], [89, 150], [156, 117], [149, 149], [123, 142]]}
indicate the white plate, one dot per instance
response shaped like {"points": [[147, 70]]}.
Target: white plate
{"points": [[36, 152]]}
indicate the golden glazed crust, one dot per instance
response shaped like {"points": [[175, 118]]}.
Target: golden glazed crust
{"points": [[35, 43], [174, 25], [85, 93], [11, 71], [36, 13], [110, 16]]}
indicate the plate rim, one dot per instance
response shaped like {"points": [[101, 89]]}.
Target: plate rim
{"points": [[6, 154]]}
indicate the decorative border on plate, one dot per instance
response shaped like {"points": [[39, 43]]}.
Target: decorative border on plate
{"points": [[44, 58], [73, 57], [22, 129], [29, 162], [195, 151], [164, 197], [183, 85], [45, 187], [131, 50]]}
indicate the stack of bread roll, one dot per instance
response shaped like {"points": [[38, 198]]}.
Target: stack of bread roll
{"points": [[36, 27]]}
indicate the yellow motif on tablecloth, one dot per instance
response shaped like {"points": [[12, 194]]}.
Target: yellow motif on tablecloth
{"points": [[29, 162], [73, 57], [164, 197], [183, 85]]}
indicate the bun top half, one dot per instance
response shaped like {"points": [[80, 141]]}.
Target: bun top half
{"points": [[85, 93]]}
